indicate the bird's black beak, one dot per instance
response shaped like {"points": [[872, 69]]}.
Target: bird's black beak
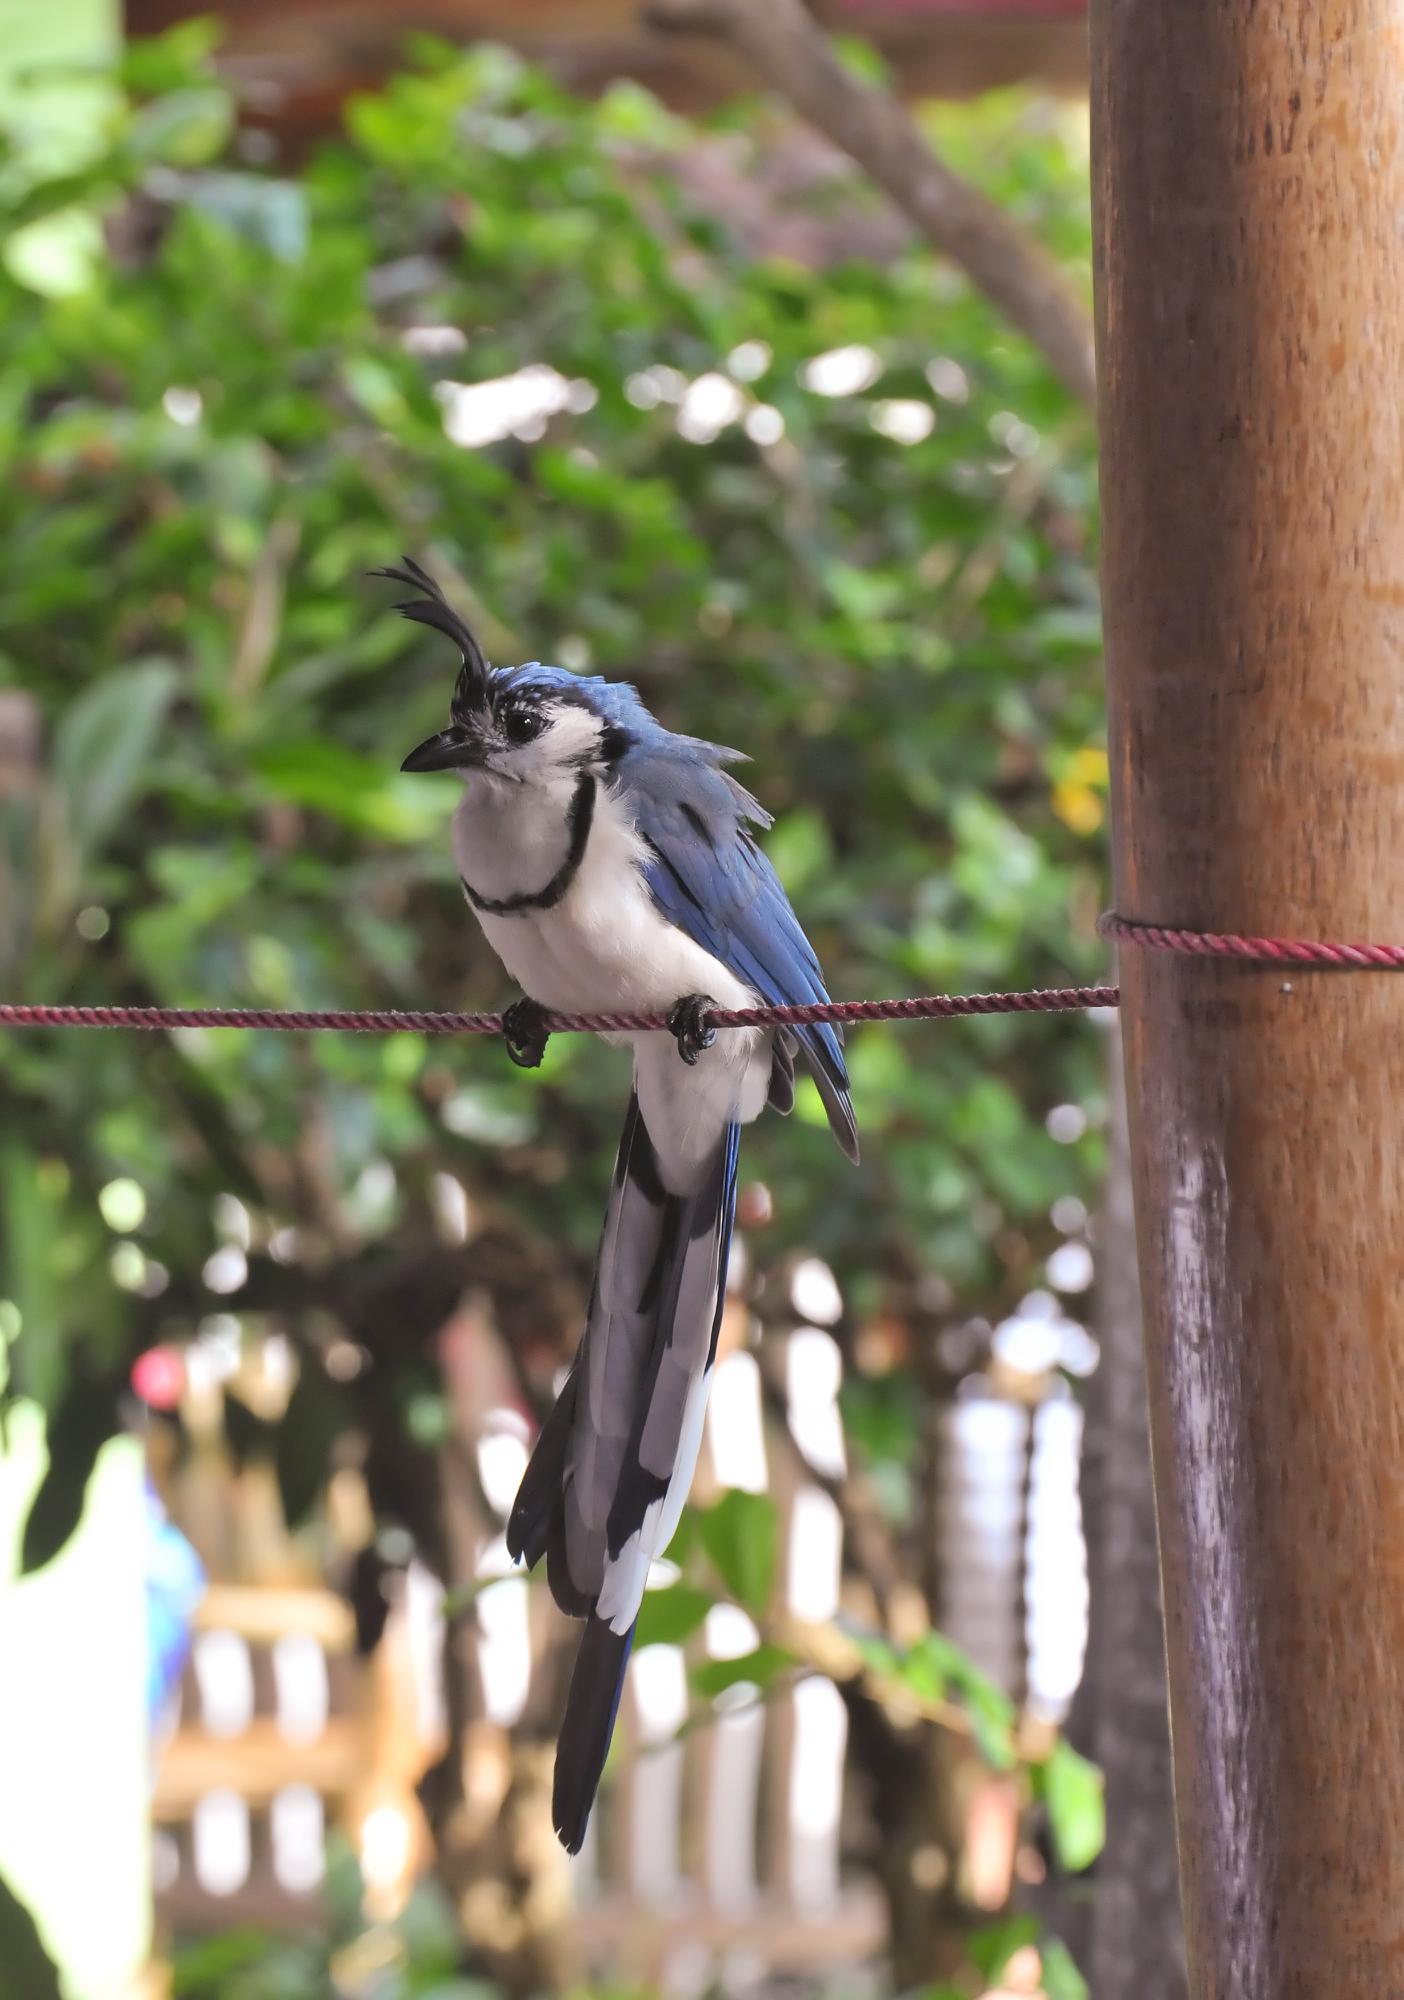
{"points": [[450, 750]]}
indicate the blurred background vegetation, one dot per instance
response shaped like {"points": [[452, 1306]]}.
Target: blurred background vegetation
{"points": [[831, 510]]}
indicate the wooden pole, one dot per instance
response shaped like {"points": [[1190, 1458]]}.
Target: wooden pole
{"points": [[1127, 1938], [1249, 187]]}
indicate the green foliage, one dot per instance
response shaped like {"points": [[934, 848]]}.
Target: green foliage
{"points": [[103, 750], [741, 1535], [266, 386], [670, 1616], [1073, 1791], [26, 1970], [881, 1423], [934, 1669], [316, 1416], [761, 1668], [79, 1425], [992, 1948], [1061, 1978], [208, 444], [416, 1957]]}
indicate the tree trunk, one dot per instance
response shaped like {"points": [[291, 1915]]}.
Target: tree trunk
{"points": [[1249, 181], [1126, 1934]]}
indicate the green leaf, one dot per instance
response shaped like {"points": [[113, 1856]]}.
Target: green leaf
{"points": [[685, 1537], [861, 60], [173, 61], [883, 1418], [459, 1989], [1061, 1978], [363, 792], [992, 1947], [991, 1721], [669, 1616], [760, 1668], [270, 213], [305, 1439], [105, 744], [1074, 1792], [429, 1933], [877, 1653], [30, 1225], [935, 1665], [187, 128], [206, 1968], [741, 1534], [26, 1970], [925, 1667], [75, 1433], [801, 850]]}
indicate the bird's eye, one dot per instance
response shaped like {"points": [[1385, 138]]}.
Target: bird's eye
{"points": [[520, 725]]}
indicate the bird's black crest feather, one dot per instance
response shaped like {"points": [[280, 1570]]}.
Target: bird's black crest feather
{"points": [[433, 608]]}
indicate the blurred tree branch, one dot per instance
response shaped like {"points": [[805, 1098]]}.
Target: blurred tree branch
{"points": [[789, 49]]}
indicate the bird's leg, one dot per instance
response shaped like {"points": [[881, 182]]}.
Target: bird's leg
{"points": [[525, 1032], [689, 1026]]}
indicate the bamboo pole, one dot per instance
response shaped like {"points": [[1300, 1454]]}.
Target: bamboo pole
{"points": [[1249, 189]]}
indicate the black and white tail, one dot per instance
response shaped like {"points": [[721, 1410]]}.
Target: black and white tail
{"points": [[612, 1468]]}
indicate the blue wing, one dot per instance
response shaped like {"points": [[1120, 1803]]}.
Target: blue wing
{"points": [[707, 876]]}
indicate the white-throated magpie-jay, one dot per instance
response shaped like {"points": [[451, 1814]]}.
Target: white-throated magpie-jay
{"points": [[613, 867]]}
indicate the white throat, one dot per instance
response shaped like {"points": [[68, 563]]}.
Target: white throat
{"points": [[511, 836]]}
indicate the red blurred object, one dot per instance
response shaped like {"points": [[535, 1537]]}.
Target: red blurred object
{"points": [[158, 1377]]}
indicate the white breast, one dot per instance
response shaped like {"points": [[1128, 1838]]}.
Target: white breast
{"points": [[605, 947]]}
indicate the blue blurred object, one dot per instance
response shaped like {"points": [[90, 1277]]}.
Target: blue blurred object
{"points": [[175, 1583]]}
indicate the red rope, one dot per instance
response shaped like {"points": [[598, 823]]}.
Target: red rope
{"points": [[930, 1006], [1061, 1000], [1255, 950]]}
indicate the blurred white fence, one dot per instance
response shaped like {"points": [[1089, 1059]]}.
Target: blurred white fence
{"points": [[717, 1852]]}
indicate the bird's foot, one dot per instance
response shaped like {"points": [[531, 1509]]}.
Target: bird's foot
{"points": [[690, 1026], [525, 1032]]}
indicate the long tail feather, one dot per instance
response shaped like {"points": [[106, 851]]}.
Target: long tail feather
{"points": [[612, 1468], [539, 1495], [592, 1706]]}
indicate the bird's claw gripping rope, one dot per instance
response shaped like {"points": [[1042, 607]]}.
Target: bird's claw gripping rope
{"points": [[690, 1025], [526, 1033]]}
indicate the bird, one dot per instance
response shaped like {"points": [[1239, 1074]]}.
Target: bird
{"points": [[613, 866]]}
